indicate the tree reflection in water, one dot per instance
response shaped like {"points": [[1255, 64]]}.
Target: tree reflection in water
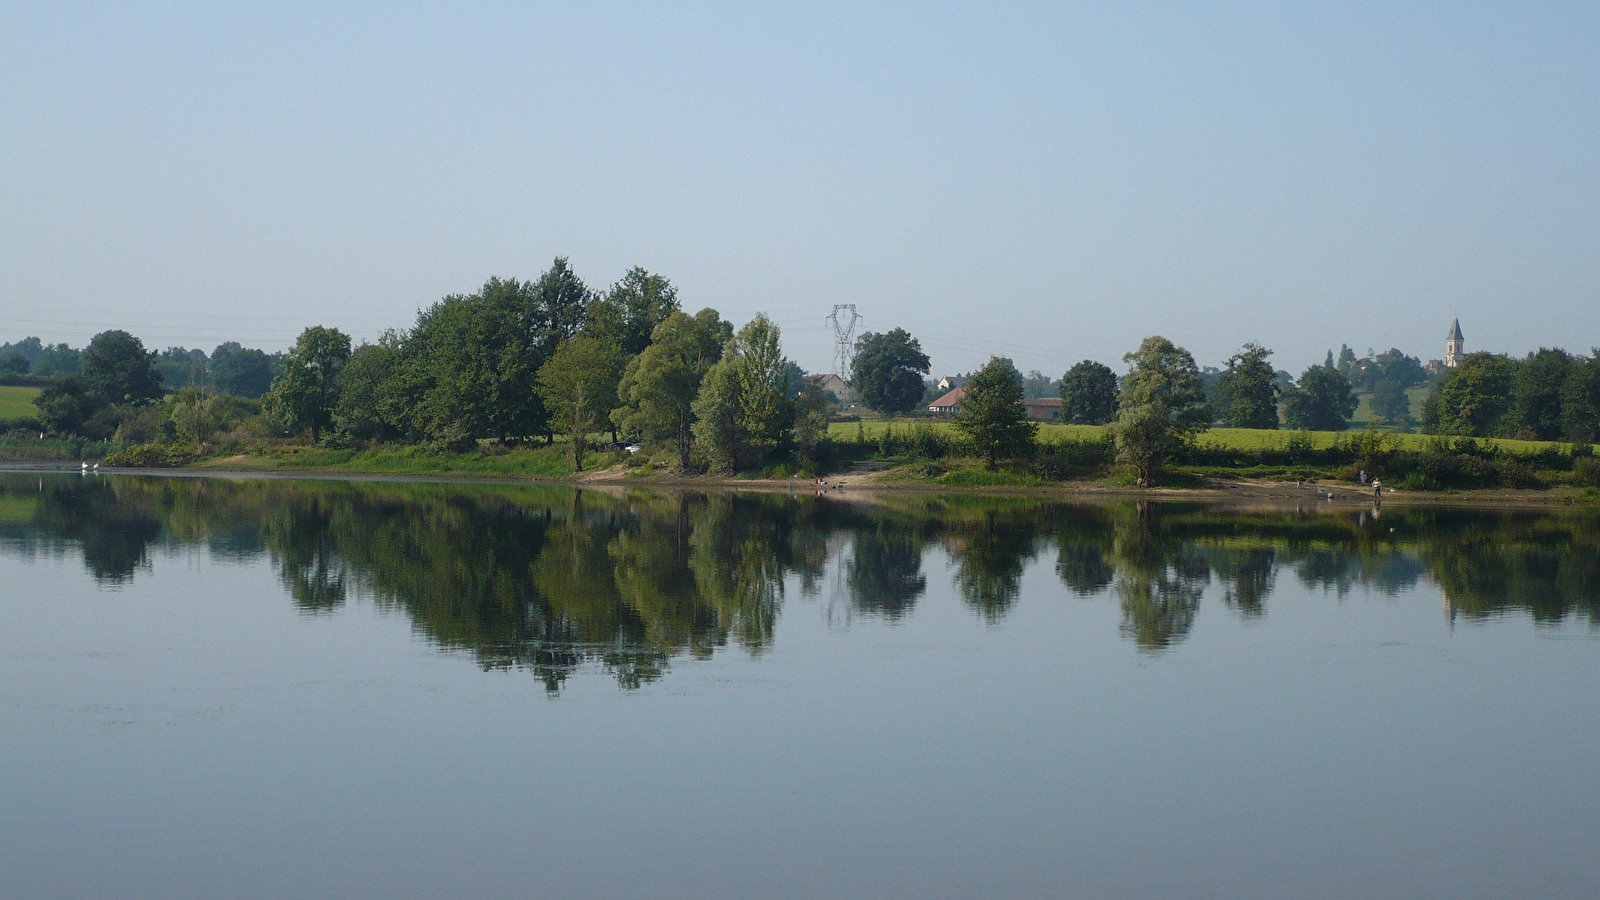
{"points": [[550, 579]]}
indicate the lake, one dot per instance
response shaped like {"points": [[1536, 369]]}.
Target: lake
{"points": [[262, 687]]}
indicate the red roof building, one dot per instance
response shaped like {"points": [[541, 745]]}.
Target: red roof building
{"points": [[949, 403]]}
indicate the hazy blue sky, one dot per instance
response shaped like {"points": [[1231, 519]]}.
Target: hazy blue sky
{"points": [[1041, 181]]}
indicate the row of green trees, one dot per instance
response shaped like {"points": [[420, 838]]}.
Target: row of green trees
{"points": [[231, 368], [1548, 395], [526, 360]]}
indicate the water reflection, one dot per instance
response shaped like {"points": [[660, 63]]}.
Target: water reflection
{"points": [[549, 579]]}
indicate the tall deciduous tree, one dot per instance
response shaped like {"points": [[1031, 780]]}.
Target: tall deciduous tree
{"points": [[1250, 387], [369, 407], [1536, 394], [240, 371], [1321, 401], [765, 410], [120, 369], [303, 395], [1089, 394], [579, 387], [1391, 403], [887, 371], [117, 372], [1393, 365], [659, 386], [743, 412], [1161, 408], [717, 426], [1580, 400], [630, 311], [811, 406], [471, 362], [991, 414], [1473, 398]]}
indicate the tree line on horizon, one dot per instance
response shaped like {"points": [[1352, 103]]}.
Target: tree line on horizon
{"points": [[520, 361]]}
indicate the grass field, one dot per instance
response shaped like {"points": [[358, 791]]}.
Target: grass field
{"points": [[1224, 438], [17, 402]]}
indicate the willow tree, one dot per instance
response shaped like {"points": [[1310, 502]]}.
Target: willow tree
{"points": [[1161, 408]]}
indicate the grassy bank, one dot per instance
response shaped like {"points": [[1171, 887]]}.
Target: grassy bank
{"points": [[932, 455], [522, 462], [1245, 439]]}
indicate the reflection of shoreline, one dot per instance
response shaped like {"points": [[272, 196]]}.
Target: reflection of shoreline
{"points": [[1243, 494], [548, 577]]}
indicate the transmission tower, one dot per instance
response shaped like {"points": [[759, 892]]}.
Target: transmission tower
{"points": [[844, 332]]}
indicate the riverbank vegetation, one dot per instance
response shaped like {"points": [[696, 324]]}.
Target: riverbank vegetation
{"points": [[549, 378]]}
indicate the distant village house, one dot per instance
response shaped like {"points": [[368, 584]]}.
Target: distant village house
{"points": [[1040, 409], [833, 384]]}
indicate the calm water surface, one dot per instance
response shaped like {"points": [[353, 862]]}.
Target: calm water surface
{"points": [[272, 688]]}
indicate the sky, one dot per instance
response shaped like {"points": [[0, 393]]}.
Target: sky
{"points": [[1049, 182]]}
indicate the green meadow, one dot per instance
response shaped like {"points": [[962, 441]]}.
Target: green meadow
{"points": [[17, 403], [1218, 438]]}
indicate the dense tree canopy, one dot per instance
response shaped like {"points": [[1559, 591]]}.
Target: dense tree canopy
{"points": [[991, 415], [180, 367], [718, 427], [304, 394], [1321, 401], [1248, 391], [764, 389], [631, 309], [1580, 400], [368, 408], [117, 374], [1161, 408], [579, 387], [1089, 394], [13, 362], [1536, 392], [120, 369], [659, 386], [241, 371], [744, 412], [887, 371], [1396, 367], [1391, 404], [1473, 398]]}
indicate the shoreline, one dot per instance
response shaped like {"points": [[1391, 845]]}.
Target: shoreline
{"points": [[1277, 493]]}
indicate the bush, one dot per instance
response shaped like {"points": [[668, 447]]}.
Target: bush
{"points": [[1586, 472], [1418, 481], [1516, 472], [151, 456]]}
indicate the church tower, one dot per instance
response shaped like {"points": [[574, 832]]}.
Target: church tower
{"points": [[1454, 345]]}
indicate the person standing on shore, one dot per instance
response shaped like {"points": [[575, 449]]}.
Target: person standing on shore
{"points": [[1377, 488]]}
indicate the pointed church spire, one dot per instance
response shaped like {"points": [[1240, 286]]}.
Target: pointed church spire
{"points": [[1454, 345]]}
